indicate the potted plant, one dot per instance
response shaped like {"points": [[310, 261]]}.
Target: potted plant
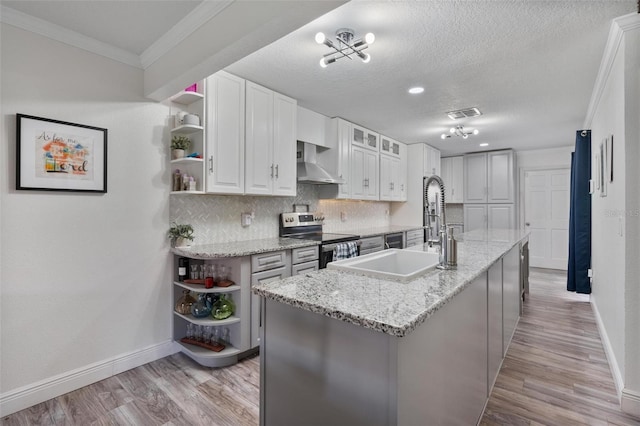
{"points": [[178, 145], [180, 235]]}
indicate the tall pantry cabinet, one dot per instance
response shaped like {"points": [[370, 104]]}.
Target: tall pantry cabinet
{"points": [[489, 190], [422, 161]]}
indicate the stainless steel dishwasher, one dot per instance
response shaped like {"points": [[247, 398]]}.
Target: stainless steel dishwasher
{"points": [[394, 240]]}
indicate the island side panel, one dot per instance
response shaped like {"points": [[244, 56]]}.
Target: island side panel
{"points": [[442, 365], [511, 294], [317, 370]]}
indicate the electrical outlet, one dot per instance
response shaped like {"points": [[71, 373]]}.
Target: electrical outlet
{"points": [[246, 218], [343, 216]]}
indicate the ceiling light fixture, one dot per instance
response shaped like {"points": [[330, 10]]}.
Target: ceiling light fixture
{"points": [[416, 90], [345, 47], [484, 144], [459, 131]]}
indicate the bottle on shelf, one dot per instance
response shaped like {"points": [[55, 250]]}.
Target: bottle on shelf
{"points": [[177, 180], [183, 266]]}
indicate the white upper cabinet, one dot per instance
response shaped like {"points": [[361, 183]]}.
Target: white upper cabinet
{"points": [[311, 127], [431, 161], [389, 146], [225, 129], [364, 174], [489, 177], [364, 138], [475, 179], [284, 145], [393, 170], [270, 132], [501, 177], [453, 176]]}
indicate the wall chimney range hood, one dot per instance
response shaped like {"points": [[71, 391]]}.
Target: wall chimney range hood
{"points": [[309, 171]]}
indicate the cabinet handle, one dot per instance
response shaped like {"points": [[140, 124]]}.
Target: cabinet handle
{"points": [[453, 191], [211, 164], [391, 186], [402, 187], [277, 171], [272, 171]]}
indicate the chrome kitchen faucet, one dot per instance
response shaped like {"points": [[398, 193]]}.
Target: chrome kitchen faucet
{"points": [[445, 239]]}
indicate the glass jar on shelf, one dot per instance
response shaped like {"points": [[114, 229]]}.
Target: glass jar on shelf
{"points": [[202, 308], [185, 302], [223, 308]]}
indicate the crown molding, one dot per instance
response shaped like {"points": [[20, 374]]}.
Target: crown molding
{"points": [[618, 27], [56, 32], [183, 29]]}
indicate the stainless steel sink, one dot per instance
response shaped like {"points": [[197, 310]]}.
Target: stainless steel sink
{"points": [[399, 265]]}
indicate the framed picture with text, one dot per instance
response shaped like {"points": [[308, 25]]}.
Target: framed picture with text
{"points": [[53, 155]]}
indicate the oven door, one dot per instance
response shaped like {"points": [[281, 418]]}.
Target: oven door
{"points": [[326, 253]]}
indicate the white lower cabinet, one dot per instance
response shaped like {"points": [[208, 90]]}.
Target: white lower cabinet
{"points": [[414, 238], [483, 216], [475, 217], [501, 216], [371, 244], [266, 267]]}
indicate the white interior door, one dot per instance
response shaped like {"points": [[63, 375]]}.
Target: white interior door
{"points": [[546, 216]]}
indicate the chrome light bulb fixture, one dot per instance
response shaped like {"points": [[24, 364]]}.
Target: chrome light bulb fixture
{"points": [[459, 131], [345, 46]]}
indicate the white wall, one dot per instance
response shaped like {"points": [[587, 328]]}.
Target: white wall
{"points": [[85, 277], [546, 158], [616, 217]]}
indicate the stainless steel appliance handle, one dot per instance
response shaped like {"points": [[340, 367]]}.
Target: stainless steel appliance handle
{"points": [[331, 247]]}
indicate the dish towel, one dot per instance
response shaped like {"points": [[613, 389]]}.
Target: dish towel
{"points": [[345, 250]]}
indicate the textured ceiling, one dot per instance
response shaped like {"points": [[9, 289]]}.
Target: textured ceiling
{"points": [[129, 25], [530, 67]]}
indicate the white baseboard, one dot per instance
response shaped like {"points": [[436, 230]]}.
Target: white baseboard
{"points": [[27, 396], [608, 350], [630, 402]]}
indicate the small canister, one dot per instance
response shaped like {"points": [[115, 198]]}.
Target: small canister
{"points": [[452, 248]]}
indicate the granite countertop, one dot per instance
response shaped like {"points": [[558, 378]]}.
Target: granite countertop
{"points": [[387, 306], [382, 230], [242, 248]]}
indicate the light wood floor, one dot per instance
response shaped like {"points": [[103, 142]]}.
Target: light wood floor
{"points": [[555, 373]]}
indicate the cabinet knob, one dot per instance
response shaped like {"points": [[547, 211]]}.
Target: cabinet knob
{"points": [[527, 224]]}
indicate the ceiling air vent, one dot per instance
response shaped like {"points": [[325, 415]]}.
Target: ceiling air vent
{"points": [[462, 113]]}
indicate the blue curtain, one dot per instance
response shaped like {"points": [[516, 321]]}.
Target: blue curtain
{"points": [[580, 216]]}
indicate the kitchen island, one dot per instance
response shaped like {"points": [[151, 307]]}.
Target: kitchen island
{"points": [[343, 348]]}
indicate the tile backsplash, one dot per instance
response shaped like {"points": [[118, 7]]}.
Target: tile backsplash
{"points": [[357, 214], [455, 213], [216, 218]]}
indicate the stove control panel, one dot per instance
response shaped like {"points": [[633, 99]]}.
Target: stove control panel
{"points": [[301, 219]]}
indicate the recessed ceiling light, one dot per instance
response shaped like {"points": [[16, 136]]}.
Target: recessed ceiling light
{"points": [[484, 144], [416, 90]]}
